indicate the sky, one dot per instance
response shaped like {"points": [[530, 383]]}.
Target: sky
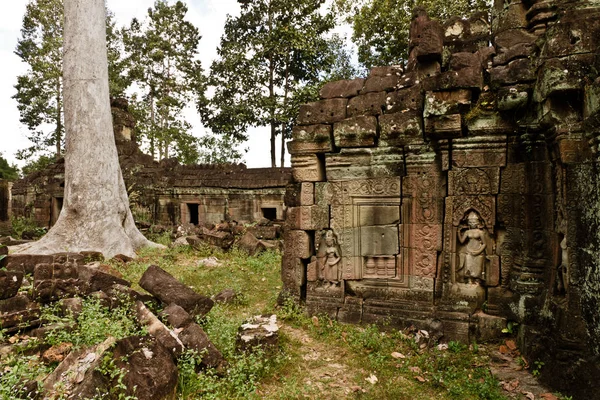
{"points": [[207, 15]]}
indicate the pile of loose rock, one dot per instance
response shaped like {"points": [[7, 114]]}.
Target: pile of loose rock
{"points": [[149, 361], [252, 239]]}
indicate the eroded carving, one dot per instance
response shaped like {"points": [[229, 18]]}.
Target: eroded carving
{"points": [[473, 240], [328, 258]]}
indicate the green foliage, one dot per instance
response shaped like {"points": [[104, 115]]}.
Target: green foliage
{"points": [[538, 368], [40, 89], [17, 370], [244, 372], [292, 312], [510, 327], [267, 55], [163, 238], [8, 172], [358, 351], [240, 381], [94, 324], [118, 79], [219, 149], [26, 225], [381, 27], [116, 375], [162, 59], [456, 347], [38, 164]]}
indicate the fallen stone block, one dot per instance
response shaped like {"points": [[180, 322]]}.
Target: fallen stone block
{"points": [[176, 316], [227, 296], [18, 312], [97, 279], [250, 244], [26, 263], [57, 354], [71, 306], [194, 338], [169, 290], [210, 262], [258, 332], [150, 371], [77, 377], [10, 283], [164, 335], [223, 240], [118, 291]]}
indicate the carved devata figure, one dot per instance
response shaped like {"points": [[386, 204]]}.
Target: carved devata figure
{"points": [[328, 258], [474, 248], [562, 278]]}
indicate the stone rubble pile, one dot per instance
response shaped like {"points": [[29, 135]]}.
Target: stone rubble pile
{"points": [[149, 361]]}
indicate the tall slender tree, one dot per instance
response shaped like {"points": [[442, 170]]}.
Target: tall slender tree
{"points": [[266, 56], [40, 90], [163, 60], [95, 214], [380, 27]]}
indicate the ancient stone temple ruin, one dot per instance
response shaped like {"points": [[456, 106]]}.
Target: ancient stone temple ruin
{"points": [[461, 192], [5, 200], [164, 193]]}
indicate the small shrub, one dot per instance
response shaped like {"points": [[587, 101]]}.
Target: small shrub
{"points": [[115, 375], [18, 370], [26, 225], [95, 323], [291, 311], [456, 347]]}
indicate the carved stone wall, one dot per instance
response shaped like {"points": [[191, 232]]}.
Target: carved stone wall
{"points": [[462, 190], [5, 206], [5, 187], [165, 192]]}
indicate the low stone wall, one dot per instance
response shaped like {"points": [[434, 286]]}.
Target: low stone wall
{"points": [[165, 192], [460, 192]]}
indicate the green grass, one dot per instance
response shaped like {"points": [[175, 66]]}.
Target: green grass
{"points": [[317, 358]]}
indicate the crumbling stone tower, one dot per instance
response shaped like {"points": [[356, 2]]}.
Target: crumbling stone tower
{"points": [[462, 191]]}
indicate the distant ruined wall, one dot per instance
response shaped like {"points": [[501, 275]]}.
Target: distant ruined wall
{"points": [[164, 193], [5, 206], [462, 191]]}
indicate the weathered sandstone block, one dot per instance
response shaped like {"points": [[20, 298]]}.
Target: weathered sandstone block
{"points": [[322, 112], [356, 132]]}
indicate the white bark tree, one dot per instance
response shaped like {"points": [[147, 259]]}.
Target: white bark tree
{"points": [[95, 214]]}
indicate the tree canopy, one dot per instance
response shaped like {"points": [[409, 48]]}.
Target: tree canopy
{"points": [[7, 171], [162, 58], [381, 27], [40, 90], [266, 58]]}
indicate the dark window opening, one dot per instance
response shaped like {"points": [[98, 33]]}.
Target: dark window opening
{"points": [[269, 213], [193, 211], [568, 104], [57, 205], [3, 207]]}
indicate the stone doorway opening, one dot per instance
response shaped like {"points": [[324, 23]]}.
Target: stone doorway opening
{"points": [[193, 213], [57, 205], [269, 213]]}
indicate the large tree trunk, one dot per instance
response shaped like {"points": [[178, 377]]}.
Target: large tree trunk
{"points": [[95, 214], [59, 128]]}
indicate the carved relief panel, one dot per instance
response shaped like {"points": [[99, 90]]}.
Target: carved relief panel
{"points": [[365, 214], [376, 235]]}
